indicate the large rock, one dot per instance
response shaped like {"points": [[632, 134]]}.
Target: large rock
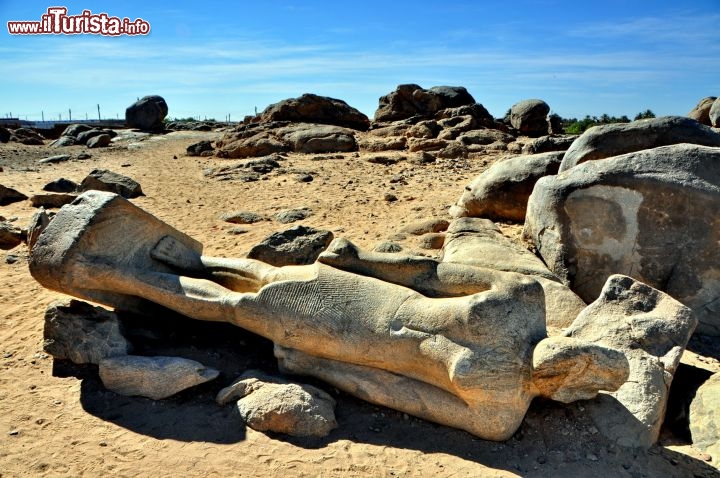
{"points": [[652, 330], [81, 333], [75, 129], [701, 112], [259, 144], [300, 138], [319, 138], [311, 108], [10, 195], [411, 100], [62, 141], [10, 236], [104, 180], [714, 113], [61, 185], [271, 404], [52, 200], [605, 141], [295, 246], [147, 113], [705, 417], [152, 377], [529, 117], [480, 243], [502, 190], [99, 141], [648, 214]]}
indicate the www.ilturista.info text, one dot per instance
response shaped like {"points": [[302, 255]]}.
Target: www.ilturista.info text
{"points": [[57, 22]]}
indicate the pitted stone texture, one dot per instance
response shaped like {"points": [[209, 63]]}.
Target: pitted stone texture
{"points": [[652, 330], [705, 417], [646, 214], [81, 333]]}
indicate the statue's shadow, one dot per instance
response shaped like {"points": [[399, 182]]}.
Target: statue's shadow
{"points": [[553, 437]]}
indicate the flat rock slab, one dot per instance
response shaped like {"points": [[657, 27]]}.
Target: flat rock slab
{"points": [[152, 377], [652, 330], [272, 404], [649, 215], [77, 331]]}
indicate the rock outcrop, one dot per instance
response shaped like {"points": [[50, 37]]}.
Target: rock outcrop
{"points": [[646, 214], [310, 108], [701, 112], [412, 100], [502, 191], [610, 140]]}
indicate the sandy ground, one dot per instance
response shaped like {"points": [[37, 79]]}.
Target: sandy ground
{"points": [[57, 420]]}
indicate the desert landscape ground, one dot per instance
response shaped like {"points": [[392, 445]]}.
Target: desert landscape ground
{"points": [[57, 420]]}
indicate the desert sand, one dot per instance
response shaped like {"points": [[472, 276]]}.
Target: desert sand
{"points": [[57, 420]]}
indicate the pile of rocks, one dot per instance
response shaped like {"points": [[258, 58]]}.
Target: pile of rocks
{"points": [[84, 135], [21, 135], [445, 121]]}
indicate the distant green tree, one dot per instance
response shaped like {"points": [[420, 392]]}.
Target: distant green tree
{"points": [[575, 126], [644, 115]]}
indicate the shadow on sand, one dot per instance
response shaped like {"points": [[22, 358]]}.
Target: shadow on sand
{"points": [[554, 439]]}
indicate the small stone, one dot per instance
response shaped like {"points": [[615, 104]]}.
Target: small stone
{"points": [[238, 230], [12, 259], [433, 240], [242, 217], [541, 459], [55, 159], [388, 246], [592, 457], [293, 215], [384, 160], [85, 156], [13, 433], [304, 178], [390, 197]]}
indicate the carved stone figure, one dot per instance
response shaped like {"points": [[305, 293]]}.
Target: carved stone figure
{"points": [[461, 355]]}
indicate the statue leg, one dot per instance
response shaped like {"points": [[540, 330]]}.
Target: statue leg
{"points": [[487, 420]]}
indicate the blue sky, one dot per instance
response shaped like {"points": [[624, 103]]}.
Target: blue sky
{"points": [[214, 58]]}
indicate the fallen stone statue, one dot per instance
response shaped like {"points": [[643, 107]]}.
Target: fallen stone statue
{"points": [[471, 355]]}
